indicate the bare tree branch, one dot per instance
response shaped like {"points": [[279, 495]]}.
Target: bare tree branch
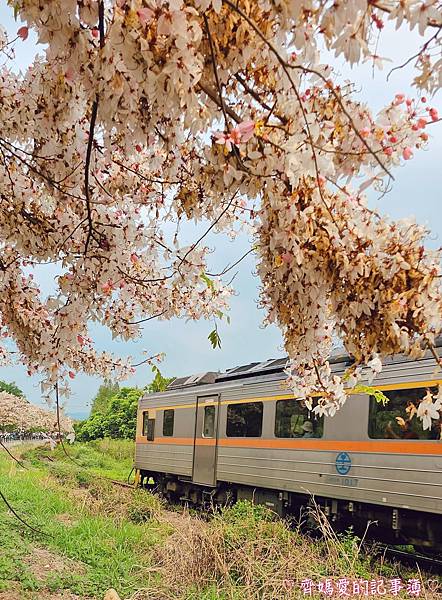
{"points": [[12, 456]]}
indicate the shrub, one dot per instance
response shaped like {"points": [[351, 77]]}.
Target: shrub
{"points": [[119, 421]]}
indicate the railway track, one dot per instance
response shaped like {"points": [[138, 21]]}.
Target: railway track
{"points": [[424, 562], [121, 483]]}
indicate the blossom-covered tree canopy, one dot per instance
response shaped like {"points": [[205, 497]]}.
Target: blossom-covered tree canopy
{"points": [[148, 112]]}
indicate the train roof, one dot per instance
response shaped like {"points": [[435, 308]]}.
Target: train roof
{"points": [[270, 367]]}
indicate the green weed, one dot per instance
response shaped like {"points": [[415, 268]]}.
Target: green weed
{"points": [[111, 552], [106, 458]]}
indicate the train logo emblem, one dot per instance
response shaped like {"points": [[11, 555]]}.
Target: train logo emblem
{"points": [[343, 463]]}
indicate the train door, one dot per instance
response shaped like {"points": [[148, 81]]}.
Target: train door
{"points": [[205, 441]]}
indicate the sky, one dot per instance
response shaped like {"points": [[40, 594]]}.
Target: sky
{"points": [[416, 192]]}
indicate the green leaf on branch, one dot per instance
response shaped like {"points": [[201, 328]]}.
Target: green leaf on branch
{"points": [[207, 281], [379, 396], [160, 383], [214, 339], [221, 315]]}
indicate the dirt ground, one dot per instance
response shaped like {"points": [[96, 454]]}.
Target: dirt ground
{"points": [[42, 563]]}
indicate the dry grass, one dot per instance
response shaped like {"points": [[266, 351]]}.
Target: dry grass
{"points": [[102, 497], [243, 553], [247, 554]]}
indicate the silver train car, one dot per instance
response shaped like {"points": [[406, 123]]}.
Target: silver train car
{"points": [[217, 437]]}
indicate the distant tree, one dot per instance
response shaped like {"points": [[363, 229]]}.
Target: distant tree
{"points": [[106, 391], [11, 388], [90, 429], [114, 413], [118, 421]]}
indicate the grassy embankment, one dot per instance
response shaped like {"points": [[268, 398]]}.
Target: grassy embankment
{"points": [[98, 535]]}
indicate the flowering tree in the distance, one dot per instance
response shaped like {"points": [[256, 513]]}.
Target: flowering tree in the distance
{"points": [[148, 112]]}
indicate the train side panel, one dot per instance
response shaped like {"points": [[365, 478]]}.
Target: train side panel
{"points": [[402, 481], [166, 454], [406, 474], [357, 478]]}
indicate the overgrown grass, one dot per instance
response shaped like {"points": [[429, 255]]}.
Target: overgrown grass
{"points": [[247, 552], [110, 550], [107, 458], [98, 535]]}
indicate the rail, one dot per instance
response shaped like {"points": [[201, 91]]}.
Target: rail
{"points": [[432, 564]]}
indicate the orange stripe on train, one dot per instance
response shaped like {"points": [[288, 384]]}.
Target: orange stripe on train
{"points": [[381, 446]]}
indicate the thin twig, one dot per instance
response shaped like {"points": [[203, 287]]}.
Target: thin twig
{"points": [[17, 516], [155, 356], [90, 140], [144, 320], [215, 71], [251, 91], [51, 182], [60, 437], [143, 177], [86, 172], [214, 96], [424, 47], [12, 456], [212, 225], [230, 267]]}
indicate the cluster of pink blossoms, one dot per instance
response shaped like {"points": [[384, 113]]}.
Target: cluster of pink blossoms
{"points": [[239, 135], [105, 148]]}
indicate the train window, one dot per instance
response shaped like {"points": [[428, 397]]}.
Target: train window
{"points": [[145, 421], [150, 430], [148, 426], [396, 420], [244, 420], [209, 422], [168, 419], [294, 420]]}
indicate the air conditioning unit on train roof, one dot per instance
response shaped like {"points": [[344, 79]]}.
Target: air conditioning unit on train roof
{"points": [[200, 379], [266, 367]]}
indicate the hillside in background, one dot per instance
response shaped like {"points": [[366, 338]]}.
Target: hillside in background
{"points": [[22, 414]]}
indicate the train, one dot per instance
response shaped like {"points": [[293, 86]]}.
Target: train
{"points": [[218, 437]]}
